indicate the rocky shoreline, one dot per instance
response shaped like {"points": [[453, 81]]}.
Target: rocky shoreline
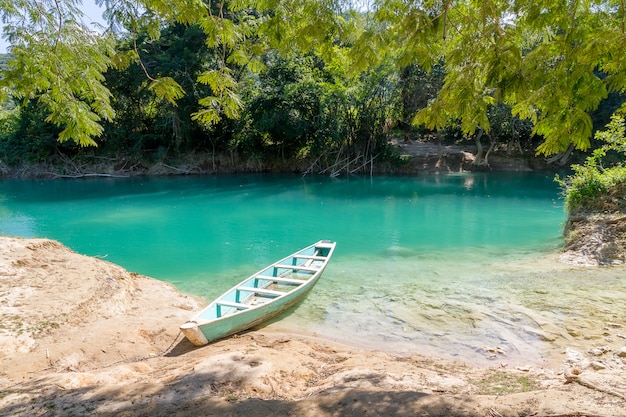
{"points": [[597, 239]]}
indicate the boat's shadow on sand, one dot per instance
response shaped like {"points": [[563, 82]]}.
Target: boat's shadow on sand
{"points": [[184, 346]]}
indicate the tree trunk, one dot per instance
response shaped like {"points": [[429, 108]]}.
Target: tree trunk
{"points": [[492, 144], [478, 160], [439, 145], [562, 157], [176, 130]]}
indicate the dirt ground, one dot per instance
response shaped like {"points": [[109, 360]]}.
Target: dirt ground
{"points": [[81, 336]]}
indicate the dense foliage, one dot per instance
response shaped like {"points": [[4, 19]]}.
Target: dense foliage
{"points": [[599, 185], [317, 85]]}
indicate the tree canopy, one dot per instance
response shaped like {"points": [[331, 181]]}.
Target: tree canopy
{"points": [[551, 61]]}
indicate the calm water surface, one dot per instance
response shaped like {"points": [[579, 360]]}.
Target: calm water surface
{"points": [[447, 265]]}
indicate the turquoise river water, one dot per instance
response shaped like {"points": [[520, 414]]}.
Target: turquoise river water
{"points": [[462, 266]]}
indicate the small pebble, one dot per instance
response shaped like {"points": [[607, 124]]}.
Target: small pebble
{"points": [[622, 352], [599, 351]]}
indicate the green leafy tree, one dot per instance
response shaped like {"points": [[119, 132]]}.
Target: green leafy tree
{"points": [[144, 121], [288, 111], [58, 61], [417, 88], [26, 137], [551, 61], [539, 57]]}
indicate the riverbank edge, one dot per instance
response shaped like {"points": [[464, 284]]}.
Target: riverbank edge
{"points": [[405, 158], [595, 239]]}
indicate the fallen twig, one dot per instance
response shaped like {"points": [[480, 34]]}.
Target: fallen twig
{"points": [[577, 414], [614, 221], [90, 175], [571, 376]]}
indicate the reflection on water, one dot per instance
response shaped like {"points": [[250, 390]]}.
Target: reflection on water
{"points": [[15, 224], [457, 266]]}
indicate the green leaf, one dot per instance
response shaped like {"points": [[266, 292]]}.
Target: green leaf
{"points": [[219, 80], [207, 116], [167, 88], [123, 59]]}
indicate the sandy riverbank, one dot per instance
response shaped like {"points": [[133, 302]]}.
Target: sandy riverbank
{"points": [[81, 336]]}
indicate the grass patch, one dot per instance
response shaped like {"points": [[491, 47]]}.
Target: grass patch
{"points": [[13, 323], [500, 383]]}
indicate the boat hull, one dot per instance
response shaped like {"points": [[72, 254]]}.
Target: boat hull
{"points": [[252, 302], [247, 319]]}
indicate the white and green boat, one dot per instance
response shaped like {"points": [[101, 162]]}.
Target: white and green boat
{"points": [[261, 296]]}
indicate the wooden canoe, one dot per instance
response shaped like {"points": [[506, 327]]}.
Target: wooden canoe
{"points": [[260, 296]]}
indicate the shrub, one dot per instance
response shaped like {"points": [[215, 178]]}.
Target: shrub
{"points": [[599, 185]]}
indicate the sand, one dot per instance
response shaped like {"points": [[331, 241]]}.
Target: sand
{"points": [[81, 336]]}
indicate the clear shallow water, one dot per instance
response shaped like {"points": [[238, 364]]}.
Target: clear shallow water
{"points": [[445, 265]]}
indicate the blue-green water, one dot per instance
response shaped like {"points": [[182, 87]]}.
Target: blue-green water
{"points": [[182, 229], [437, 264]]}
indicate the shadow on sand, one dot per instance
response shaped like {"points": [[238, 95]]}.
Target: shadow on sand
{"points": [[202, 394]]}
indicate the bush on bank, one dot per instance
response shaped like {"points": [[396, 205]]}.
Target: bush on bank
{"points": [[599, 184]]}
